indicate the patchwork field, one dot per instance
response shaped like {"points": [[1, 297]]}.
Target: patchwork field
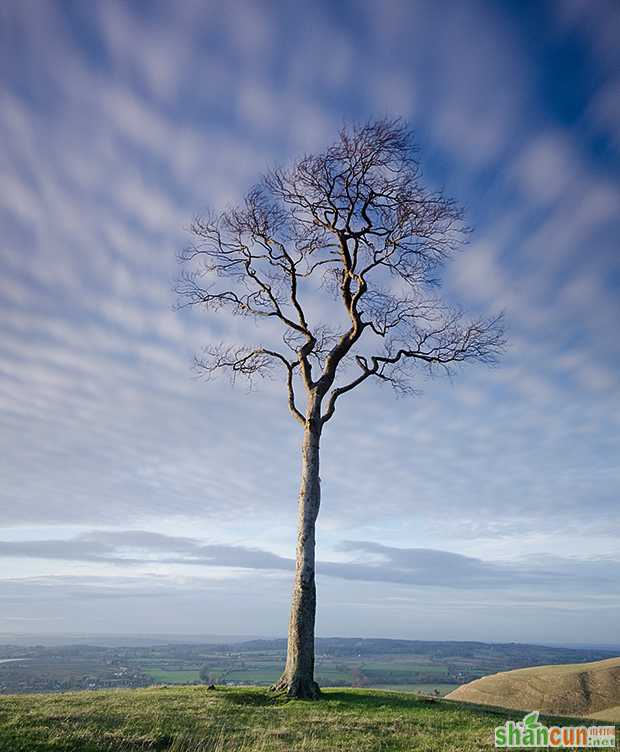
{"points": [[433, 667], [172, 677]]}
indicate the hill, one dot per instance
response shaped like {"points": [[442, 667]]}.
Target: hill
{"points": [[583, 689], [194, 719]]}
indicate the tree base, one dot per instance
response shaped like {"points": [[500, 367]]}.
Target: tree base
{"points": [[298, 688]]}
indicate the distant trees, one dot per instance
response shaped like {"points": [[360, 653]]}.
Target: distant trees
{"points": [[206, 675], [355, 225], [358, 679]]}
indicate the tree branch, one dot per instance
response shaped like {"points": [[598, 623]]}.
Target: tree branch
{"points": [[357, 215], [249, 362], [331, 405]]}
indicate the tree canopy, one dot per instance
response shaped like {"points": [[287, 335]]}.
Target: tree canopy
{"points": [[354, 222]]}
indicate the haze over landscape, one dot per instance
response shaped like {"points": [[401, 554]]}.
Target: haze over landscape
{"points": [[138, 499]]}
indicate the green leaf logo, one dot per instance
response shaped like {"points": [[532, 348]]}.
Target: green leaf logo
{"points": [[531, 720]]}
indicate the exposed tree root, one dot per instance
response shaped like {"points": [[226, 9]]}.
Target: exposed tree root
{"points": [[298, 688]]}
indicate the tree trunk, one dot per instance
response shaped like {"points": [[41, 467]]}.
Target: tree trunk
{"points": [[298, 677]]}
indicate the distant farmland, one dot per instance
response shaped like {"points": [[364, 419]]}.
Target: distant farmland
{"points": [[433, 667]]}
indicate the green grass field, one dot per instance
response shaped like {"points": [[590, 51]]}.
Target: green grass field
{"points": [[193, 719], [172, 677], [425, 689]]}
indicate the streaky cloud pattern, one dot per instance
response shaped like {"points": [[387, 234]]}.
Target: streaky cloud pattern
{"points": [[492, 500]]}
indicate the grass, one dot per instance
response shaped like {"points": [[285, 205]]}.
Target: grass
{"points": [[194, 719], [584, 689], [425, 688]]}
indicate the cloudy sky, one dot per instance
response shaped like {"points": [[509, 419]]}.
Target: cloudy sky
{"points": [[136, 498]]}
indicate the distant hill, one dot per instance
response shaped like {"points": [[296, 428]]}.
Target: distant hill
{"points": [[521, 654], [578, 689]]}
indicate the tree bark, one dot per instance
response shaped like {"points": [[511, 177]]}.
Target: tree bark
{"points": [[298, 677]]}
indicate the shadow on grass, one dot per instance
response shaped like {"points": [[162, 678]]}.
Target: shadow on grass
{"points": [[258, 698], [385, 700], [241, 697], [359, 701]]}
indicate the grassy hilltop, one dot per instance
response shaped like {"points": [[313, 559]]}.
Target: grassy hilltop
{"points": [[585, 689], [194, 719]]}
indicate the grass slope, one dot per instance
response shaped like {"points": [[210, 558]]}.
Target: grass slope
{"points": [[193, 719], [583, 689]]}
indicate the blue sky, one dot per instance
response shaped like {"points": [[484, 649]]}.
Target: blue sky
{"points": [[137, 498]]}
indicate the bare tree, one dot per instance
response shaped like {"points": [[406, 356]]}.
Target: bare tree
{"points": [[354, 227]]}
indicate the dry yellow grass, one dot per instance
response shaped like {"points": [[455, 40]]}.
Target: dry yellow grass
{"points": [[609, 714], [578, 689]]}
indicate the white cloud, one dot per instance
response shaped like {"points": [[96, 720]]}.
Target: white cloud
{"points": [[107, 159]]}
